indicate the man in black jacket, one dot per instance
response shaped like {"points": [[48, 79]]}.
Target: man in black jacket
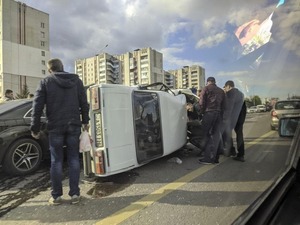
{"points": [[212, 105], [67, 110]]}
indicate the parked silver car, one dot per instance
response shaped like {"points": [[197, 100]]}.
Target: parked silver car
{"points": [[284, 108]]}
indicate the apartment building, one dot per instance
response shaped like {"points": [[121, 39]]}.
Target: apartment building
{"points": [[139, 67], [24, 46], [142, 66], [101, 68], [169, 79], [189, 76]]}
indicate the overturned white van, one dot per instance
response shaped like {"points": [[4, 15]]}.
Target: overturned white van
{"points": [[132, 126]]}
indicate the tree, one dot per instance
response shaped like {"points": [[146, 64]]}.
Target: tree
{"points": [[248, 102], [256, 100], [24, 92]]}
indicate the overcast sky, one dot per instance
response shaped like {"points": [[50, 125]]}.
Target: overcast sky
{"points": [[187, 32]]}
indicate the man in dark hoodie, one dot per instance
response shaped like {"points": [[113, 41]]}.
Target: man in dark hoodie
{"points": [[234, 118], [67, 110]]}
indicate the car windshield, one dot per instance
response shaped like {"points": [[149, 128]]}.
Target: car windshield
{"points": [[288, 105], [254, 43]]}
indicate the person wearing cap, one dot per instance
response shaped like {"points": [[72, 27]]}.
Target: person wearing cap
{"points": [[212, 105], [234, 118]]}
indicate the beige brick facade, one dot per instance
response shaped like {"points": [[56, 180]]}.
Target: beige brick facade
{"points": [[24, 46]]}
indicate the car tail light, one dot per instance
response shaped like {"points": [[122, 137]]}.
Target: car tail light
{"points": [[99, 161], [95, 98], [274, 114]]}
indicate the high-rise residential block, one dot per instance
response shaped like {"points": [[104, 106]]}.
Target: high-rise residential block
{"points": [[24, 46], [189, 76], [169, 79], [140, 67], [102, 68]]}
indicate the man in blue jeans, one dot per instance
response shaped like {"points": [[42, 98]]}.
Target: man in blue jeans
{"points": [[212, 105], [67, 110]]}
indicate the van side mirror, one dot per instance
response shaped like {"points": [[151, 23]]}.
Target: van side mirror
{"points": [[288, 126]]}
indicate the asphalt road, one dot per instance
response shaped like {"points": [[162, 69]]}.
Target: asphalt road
{"points": [[160, 192]]}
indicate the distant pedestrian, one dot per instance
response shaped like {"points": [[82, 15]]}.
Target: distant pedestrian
{"points": [[30, 96], [212, 105], [234, 103], [9, 95], [67, 110]]}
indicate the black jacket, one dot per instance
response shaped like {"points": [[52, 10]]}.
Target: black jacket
{"points": [[65, 99], [212, 98]]}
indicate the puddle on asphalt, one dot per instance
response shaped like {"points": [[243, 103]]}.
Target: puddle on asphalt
{"points": [[108, 185]]}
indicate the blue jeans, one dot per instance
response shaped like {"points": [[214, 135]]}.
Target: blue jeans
{"points": [[211, 127], [69, 137]]}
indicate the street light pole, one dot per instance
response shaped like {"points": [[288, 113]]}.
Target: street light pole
{"points": [[103, 48]]}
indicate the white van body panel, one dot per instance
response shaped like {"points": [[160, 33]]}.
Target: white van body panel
{"points": [[174, 123], [118, 127]]}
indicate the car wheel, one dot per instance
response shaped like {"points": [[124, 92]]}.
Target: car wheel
{"points": [[23, 157]]}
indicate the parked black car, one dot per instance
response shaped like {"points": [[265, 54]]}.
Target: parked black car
{"points": [[20, 154]]}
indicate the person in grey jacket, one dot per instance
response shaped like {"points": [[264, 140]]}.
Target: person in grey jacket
{"points": [[67, 110], [234, 103]]}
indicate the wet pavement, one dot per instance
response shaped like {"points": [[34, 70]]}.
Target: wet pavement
{"points": [[25, 201]]}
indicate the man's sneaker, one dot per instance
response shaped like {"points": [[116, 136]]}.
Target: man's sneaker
{"points": [[75, 199], [202, 161], [239, 158], [55, 201]]}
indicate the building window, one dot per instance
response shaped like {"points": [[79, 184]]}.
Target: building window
{"points": [[42, 34], [42, 43], [42, 25], [43, 62], [43, 53], [43, 72]]}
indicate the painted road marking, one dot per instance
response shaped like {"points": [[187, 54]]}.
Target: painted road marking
{"points": [[249, 144], [144, 202]]}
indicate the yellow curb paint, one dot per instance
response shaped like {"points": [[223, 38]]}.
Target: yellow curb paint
{"points": [[144, 202]]}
